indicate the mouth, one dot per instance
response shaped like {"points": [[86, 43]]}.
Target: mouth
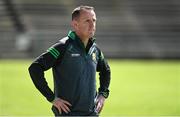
{"points": [[92, 30]]}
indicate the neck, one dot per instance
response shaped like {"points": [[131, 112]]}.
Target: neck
{"points": [[85, 42], [83, 39]]}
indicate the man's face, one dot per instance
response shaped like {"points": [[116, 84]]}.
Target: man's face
{"points": [[85, 25]]}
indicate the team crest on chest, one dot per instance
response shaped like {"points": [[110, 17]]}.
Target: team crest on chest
{"points": [[94, 57]]}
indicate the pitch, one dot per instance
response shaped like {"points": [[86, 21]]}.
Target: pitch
{"points": [[138, 87]]}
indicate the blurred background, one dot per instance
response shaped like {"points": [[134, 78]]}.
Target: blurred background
{"points": [[125, 28], [140, 38]]}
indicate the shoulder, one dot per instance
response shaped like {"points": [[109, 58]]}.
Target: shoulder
{"points": [[62, 42], [97, 48], [100, 53], [59, 47]]}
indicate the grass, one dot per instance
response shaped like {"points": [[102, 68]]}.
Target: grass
{"points": [[138, 87]]}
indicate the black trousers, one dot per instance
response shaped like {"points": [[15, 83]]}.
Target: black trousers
{"points": [[57, 114]]}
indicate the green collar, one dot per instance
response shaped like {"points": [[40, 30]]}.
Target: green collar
{"points": [[72, 35]]}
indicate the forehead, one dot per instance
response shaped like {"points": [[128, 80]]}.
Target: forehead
{"points": [[87, 14]]}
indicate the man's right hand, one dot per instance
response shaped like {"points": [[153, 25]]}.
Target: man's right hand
{"points": [[61, 105]]}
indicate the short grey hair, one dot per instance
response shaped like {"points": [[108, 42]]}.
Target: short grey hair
{"points": [[77, 10]]}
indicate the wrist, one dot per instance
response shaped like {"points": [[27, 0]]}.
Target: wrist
{"points": [[54, 100], [104, 94]]}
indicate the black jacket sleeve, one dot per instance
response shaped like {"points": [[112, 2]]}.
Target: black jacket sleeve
{"points": [[105, 75], [43, 63]]}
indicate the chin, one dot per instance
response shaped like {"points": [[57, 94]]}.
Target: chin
{"points": [[91, 34]]}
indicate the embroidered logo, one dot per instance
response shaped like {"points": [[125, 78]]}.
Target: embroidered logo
{"points": [[75, 55], [94, 57]]}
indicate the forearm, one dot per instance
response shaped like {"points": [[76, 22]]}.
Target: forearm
{"points": [[37, 76], [104, 85], [105, 77]]}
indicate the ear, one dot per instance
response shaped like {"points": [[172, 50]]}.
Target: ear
{"points": [[74, 24]]}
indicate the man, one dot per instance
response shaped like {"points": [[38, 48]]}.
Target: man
{"points": [[74, 61]]}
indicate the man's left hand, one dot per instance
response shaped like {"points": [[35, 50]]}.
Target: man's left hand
{"points": [[100, 103]]}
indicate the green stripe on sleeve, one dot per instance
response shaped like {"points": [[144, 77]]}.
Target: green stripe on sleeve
{"points": [[57, 52], [54, 52]]}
